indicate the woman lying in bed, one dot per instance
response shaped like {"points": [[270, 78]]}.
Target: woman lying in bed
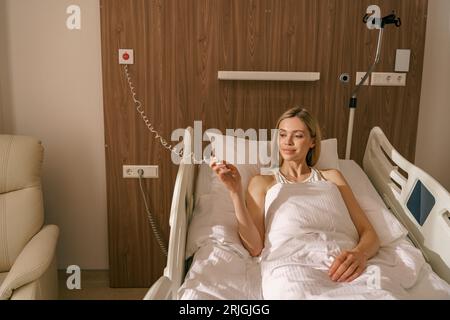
{"points": [[301, 220], [299, 133]]}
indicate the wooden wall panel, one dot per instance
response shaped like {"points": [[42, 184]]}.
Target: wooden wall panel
{"points": [[181, 44]]}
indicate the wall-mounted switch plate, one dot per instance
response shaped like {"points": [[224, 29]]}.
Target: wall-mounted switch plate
{"points": [[402, 60], [149, 172], [360, 76]]}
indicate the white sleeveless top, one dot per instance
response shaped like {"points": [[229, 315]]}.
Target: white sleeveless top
{"points": [[314, 177]]}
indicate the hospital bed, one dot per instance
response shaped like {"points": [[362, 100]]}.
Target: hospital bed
{"points": [[410, 195]]}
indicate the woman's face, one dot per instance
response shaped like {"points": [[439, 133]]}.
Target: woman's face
{"points": [[295, 140]]}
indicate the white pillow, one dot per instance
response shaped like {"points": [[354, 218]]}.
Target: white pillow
{"points": [[386, 225], [329, 158]]}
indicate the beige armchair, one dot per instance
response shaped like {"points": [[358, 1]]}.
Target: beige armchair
{"points": [[28, 268]]}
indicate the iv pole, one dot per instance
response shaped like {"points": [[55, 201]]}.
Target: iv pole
{"points": [[390, 19]]}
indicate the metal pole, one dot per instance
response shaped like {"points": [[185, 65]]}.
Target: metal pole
{"points": [[353, 101], [350, 133]]}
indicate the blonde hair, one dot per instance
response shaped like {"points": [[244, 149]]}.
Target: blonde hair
{"points": [[314, 130]]}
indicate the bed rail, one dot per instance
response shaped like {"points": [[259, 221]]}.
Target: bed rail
{"points": [[180, 212], [416, 199]]}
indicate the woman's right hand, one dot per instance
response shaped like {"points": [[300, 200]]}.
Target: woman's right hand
{"points": [[229, 175]]}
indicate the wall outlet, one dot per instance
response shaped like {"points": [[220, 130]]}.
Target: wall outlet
{"points": [[389, 79], [132, 172], [360, 76]]}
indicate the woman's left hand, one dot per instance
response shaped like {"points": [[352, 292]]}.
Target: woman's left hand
{"points": [[348, 266]]}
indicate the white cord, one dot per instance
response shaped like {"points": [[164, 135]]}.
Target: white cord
{"points": [[140, 110], [155, 229], [149, 125]]}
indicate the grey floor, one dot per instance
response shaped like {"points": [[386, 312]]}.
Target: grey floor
{"points": [[95, 286]]}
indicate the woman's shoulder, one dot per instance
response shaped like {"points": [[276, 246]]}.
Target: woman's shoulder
{"points": [[333, 175], [261, 183]]}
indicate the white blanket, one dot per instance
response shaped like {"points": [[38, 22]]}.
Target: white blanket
{"points": [[220, 272], [307, 226]]}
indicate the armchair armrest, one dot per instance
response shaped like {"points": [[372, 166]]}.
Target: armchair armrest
{"points": [[32, 262]]}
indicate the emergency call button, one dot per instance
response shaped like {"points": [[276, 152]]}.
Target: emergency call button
{"points": [[126, 56]]}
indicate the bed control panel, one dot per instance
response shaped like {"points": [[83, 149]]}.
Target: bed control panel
{"points": [[420, 202]]}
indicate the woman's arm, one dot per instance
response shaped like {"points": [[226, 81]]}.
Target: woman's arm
{"points": [[351, 264], [250, 215]]}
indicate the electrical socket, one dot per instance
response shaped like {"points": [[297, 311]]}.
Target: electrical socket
{"points": [[389, 79], [132, 172]]}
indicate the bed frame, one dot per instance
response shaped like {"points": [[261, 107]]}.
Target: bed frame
{"points": [[400, 183], [397, 181]]}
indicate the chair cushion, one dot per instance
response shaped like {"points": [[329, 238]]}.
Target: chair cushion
{"points": [[21, 203], [20, 162]]}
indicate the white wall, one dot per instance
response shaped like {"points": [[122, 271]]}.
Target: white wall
{"points": [[433, 146], [55, 93]]}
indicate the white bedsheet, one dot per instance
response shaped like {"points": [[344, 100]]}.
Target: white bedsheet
{"points": [[220, 271]]}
